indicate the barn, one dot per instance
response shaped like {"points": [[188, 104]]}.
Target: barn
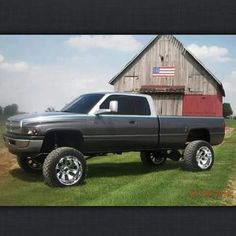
{"points": [[177, 81]]}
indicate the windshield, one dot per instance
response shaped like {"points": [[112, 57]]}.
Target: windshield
{"points": [[83, 104]]}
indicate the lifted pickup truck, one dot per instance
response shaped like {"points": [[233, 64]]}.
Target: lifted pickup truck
{"points": [[56, 142]]}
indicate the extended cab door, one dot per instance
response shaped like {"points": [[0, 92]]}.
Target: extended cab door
{"points": [[131, 128]]}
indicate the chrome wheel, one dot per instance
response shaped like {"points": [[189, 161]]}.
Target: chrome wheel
{"points": [[69, 170], [204, 157], [34, 164], [156, 159]]}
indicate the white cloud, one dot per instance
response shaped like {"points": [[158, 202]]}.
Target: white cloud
{"points": [[230, 90], [43, 86], [114, 42], [213, 53], [16, 66], [1, 58], [34, 87]]}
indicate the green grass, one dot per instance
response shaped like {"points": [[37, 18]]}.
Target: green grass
{"points": [[121, 180]]}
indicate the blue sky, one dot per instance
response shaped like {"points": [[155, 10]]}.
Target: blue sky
{"points": [[50, 70]]}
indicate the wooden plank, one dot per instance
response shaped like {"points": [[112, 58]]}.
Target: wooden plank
{"points": [[202, 105], [168, 104]]}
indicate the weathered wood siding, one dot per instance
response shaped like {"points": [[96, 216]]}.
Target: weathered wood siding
{"points": [[187, 71], [168, 104], [167, 51]]}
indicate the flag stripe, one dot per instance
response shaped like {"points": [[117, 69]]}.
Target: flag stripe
{"points": [[167, 70], [163, 71]]}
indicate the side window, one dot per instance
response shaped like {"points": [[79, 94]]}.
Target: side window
{"points": [[141, 105], [124, 106], [105, 104], [128, 105]]}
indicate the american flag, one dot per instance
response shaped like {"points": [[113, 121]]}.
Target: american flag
{"points": [[164, 71]]}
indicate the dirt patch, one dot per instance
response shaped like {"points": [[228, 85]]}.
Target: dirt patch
{"points": [[7, 162], [228, 131], [230, 200]]}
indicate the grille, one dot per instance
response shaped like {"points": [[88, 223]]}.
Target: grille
{"points": [[13, 127]]}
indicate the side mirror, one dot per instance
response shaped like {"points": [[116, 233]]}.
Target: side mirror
{"points": [[113, 108]]}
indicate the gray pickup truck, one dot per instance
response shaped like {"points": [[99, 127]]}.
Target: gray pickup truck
{"points": [[57, 143]]}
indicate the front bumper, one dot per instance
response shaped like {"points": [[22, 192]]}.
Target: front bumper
{"points": [[19, 145]]}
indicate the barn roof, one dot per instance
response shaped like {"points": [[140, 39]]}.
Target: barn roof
{"points": [[149, 45]]}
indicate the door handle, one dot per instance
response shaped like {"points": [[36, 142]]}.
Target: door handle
{"points": [[132, 122]]}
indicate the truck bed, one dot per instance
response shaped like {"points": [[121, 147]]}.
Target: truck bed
{"points": [[175, 130]]}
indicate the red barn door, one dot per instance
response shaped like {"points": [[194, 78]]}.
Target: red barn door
{"points": [[202, 105]]}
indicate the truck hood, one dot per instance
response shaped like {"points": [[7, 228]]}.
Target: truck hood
{"points": [[34, 115], [44, 117]]}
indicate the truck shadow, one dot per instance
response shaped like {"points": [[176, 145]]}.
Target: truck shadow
{"points": [[107, 169], [26, 177], [126, 169]]}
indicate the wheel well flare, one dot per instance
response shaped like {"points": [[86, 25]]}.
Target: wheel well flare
{"points": [[62, 138], [198, 134]]}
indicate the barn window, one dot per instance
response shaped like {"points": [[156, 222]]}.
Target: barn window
{"points": [[131, 83], [195, 83]]}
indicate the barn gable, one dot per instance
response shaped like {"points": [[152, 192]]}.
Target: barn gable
{"points": [[164, 50], [172, 93]]}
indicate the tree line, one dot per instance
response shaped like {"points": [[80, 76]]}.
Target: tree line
{"points": [[227, 110], [9, 110], [13, 109]]}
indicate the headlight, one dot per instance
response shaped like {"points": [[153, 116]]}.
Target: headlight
{"points": [[31, 131]]}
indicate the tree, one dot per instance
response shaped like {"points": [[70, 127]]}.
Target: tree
{"points": [[0, 110], [50, 109], [11, 110], [14, 109], [227, 110]]}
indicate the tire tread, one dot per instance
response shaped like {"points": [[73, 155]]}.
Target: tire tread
{"points": [[189, 155], [21, 160], [146, 159], [51, 160]]}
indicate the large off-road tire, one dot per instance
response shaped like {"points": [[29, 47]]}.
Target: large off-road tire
{"points": [[152, 158], [198, 156], [29, 164], [64, 166]]}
